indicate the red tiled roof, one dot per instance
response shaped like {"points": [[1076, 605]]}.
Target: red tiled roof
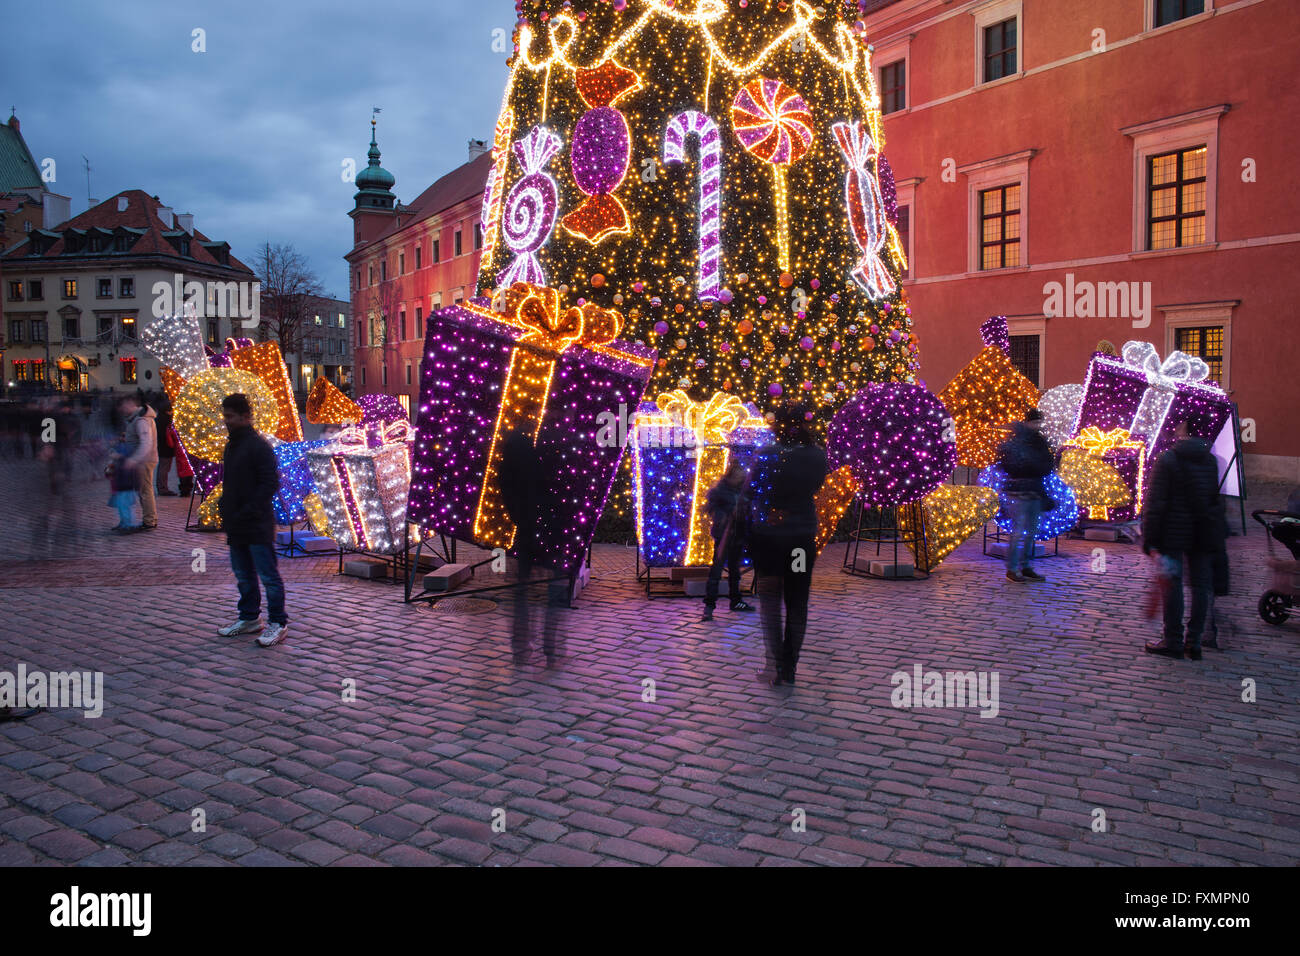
{"points": [[463, 182], [11, 203], [141, 213]]}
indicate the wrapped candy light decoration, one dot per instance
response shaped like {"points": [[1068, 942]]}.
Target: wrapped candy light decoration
{"points": [[1052, 523], [265, 361], [177, 342], [197, 409], [952, 513], [1060, 409], [891, 437], [984, 398], [536, 367], [681, 449]]}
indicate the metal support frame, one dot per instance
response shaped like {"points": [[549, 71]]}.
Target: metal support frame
{"points": [[999, 535], [448, 556], [887, 529], [663, 587]]}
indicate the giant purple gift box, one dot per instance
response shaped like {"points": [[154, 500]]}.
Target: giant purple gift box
{"points": [[1130, 391], [468, 350]]}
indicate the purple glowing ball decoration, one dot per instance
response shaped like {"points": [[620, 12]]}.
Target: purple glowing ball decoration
{"points": [[892, 438], [775, 389]]}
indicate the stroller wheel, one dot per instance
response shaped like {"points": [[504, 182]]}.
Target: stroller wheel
{"points": [[1273, 607]]}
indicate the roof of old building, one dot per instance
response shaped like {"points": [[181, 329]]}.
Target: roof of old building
{"points": [[140, 218], [18, 169], [462, 183]]}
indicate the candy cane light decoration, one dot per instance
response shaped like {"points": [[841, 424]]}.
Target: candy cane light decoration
{"points": [[680, 128], [530, 208], [866, 208]]}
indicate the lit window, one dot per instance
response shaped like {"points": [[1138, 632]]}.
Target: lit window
{"points": [[1000, 227], [1205, 343], [69, 288], [128, 371], [1176, 184]]}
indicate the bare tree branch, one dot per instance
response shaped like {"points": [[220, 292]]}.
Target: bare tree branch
{"points": [[288, 287]]}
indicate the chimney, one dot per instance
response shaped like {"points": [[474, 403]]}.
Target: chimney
{"points": [[477, 147], [122, 203], [55, 209], [165, 214], [186, 221]]}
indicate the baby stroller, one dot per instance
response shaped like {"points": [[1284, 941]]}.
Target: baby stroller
{"points": [[1276, 603]]}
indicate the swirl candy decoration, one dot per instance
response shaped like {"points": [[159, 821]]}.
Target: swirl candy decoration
{"points": [[774, 124], [866, 208], [530, 208], [680, 128], [601, 149]]}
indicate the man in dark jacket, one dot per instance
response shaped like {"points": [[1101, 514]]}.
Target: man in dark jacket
{"points": [[728, 507], [1027, 459], [785, 481], [1182, 520], [249, 483]]}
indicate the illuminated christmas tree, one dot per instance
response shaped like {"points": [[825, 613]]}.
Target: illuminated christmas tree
{"points": [[712, 169]]}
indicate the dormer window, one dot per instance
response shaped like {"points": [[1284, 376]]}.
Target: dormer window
{"points": [[119, 244], [185, 245]]}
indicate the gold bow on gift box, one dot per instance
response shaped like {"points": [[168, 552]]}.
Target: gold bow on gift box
{"points": [[549, 331], [712, 423], [1097, 484]]}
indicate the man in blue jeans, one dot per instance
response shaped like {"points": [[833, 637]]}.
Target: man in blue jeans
{"points": [[1027, 459], [250, 480]]}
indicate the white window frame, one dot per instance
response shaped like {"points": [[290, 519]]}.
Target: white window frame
{"points": [[986, 15], [1149, 17], [887, 54], [1165, 136], [999, 171], [905, 190], [1197, 315], [1032, 325]]}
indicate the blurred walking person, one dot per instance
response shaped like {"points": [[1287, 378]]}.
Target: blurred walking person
{"points": [[250, 480], [785, 479], [1027, 459], [728, 506], [141, 434], [520, 477], [166, 450], [1183, 526]]}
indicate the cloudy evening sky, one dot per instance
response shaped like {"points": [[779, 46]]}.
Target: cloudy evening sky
{"points": [[250, 136]]}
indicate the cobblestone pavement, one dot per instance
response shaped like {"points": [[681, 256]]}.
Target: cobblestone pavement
{"points": [[445, 731]]}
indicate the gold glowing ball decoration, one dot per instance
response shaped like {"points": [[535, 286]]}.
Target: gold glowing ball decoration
{"points": [[640, 96], [952, 514], [197, 410]]}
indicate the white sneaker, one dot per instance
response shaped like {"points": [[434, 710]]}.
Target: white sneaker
{"points": [[274, 634], [240, 627]]}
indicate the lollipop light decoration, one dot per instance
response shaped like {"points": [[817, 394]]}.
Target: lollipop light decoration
{"points": [[774, 124], [530, 208]]}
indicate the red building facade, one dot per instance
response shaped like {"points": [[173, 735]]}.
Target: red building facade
{"points": [[1103, 172], [407, 261]]}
